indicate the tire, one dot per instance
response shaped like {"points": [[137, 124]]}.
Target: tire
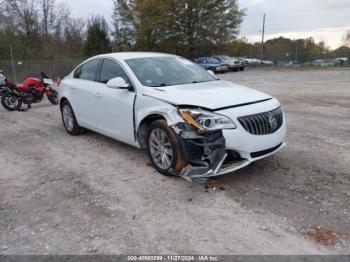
{"points": [[71, 125], [11, 102], [242, 68], [53, 98], [176, 162]]}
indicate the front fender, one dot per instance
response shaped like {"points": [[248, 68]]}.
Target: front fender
{"points": [[146, 106]]}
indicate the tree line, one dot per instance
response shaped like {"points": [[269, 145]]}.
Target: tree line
{"points": [[45, 29]]}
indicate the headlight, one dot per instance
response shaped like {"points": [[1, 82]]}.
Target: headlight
{"points": [[206, 121]]}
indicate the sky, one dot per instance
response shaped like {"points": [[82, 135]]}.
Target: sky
{"points": [[325, 20]]}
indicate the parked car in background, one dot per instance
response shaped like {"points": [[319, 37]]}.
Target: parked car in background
{"points": [[213, 64], [234, 64], [2, 79], [268, 63], [240, 62], [192, 124], [324, 62], [253, 62], [342, 60], [3, 87]]}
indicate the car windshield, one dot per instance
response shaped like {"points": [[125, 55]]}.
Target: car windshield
{"points": [[224, 58], [212, 60], [168, 71]]}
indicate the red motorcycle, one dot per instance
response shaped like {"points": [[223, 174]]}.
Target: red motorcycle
{"points": [[31, 91]]}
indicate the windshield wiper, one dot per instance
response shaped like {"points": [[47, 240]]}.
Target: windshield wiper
{"points": [[196, 82], [160, 85]]}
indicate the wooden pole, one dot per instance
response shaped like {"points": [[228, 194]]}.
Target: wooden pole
{"points": [[13, 66], [263, 39]]}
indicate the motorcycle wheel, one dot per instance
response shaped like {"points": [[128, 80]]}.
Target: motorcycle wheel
{"points": [[11, 102], [53, 97]]}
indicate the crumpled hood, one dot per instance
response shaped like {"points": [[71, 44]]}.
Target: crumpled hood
{"points": [[211, 95]]}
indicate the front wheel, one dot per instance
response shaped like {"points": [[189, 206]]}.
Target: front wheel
{"points": [[53, 97], [164, 149], [11, 102]]}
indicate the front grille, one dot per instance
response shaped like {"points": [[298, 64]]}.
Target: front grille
{"points": [[264, 123]]}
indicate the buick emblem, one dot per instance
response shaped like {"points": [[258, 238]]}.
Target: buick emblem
{"points": [[272, 121]]}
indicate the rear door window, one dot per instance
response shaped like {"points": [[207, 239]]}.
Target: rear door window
{"points": [[88, 70]]}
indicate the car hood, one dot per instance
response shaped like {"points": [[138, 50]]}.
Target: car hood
{"points": [[212, 95]]}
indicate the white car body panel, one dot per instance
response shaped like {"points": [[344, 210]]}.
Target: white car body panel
{"points": [[118, 113], [146, 106], [212, 95], [116, 104]]}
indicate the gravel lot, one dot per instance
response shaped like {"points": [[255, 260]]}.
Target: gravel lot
{"points": [[93, 195]]}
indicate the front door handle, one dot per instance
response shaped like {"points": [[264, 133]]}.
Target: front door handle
{"points": [[98, 95]]}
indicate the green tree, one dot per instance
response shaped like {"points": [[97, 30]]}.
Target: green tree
{"points": [[346, 39], [97, 41], [185, 27]]}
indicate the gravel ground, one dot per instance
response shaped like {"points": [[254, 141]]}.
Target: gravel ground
{"points": [[93, 195]]}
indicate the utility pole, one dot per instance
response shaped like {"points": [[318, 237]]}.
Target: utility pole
{"points": [[13, 66], [263, 38]]}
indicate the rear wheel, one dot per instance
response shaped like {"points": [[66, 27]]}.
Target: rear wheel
{"points": [[53, 97], [69, 121], [164, 149], [11, 102]]}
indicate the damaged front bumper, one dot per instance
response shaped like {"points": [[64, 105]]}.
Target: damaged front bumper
{"points": [[192, 172], [221, 152], [218, 152]]}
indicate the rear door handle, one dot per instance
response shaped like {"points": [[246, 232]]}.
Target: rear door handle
{"points": [[98, 95], [74, 87]]}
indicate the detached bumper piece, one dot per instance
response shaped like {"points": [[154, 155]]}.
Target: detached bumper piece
{"points": [[207, 155]]}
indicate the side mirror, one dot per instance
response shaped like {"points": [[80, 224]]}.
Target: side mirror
{"points": [[118, 83]]}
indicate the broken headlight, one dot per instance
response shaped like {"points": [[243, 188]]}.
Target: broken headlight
{"points": [[206, 121]]}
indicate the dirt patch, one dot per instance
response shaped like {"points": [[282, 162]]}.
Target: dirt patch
{"points": [[215, 184], [323, 236]]}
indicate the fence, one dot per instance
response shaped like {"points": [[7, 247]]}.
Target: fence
{"points": [[52, 68], [61, 68]]}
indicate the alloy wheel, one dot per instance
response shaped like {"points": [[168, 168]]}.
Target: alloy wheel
{"points": [[161, 149], [68, 118]]}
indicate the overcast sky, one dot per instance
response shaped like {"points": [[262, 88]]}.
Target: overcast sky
{"points": [[325, 20]]}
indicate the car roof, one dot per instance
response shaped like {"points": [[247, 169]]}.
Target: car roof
{"points": [[133, 55]]}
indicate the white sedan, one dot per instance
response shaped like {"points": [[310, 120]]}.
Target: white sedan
{"points": [[191, 123]]}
